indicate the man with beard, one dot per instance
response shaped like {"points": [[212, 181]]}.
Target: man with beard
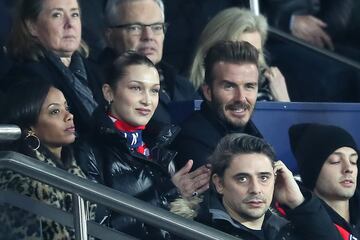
{"points": [[328, 163], [140, 26], [230, 91]]}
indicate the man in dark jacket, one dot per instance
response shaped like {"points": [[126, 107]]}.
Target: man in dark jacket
{"points": [[330, 24], [246, 180], [140, 26], [230, 91], [328, 163]]}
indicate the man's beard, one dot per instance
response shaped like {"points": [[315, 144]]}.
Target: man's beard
{"points": [[220, 110]]}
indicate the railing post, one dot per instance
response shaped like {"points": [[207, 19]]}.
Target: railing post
{"points": [[254, 7], [80, 221], [9, 132]]}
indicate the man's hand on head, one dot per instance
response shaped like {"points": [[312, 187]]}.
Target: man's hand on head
{"points": [[286, 191]]}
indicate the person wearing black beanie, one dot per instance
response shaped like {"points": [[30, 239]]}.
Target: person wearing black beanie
{"points": [[327, 158]]}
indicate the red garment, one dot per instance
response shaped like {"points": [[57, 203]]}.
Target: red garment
{"points": [[344, 233], [280, 209], [123, 126], [127, 128]]}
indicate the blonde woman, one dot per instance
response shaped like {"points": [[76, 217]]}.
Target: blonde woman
{"points": [[236, 24]]}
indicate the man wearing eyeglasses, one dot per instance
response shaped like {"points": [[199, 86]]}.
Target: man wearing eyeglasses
{"points": [[140, 25]]}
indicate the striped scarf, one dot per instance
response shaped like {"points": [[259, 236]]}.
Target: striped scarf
{"points": [[132, 134]]}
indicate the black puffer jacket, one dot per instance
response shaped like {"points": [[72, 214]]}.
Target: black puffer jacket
{"points": [[130, 172]]}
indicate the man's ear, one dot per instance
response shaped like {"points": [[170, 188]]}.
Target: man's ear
{"points": [[206, 90], [107, 92], [218, 183], [32, 28]]}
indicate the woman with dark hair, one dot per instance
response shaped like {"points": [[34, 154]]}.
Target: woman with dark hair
{"points": [[42, 113], [46, 44], [132, 154]]}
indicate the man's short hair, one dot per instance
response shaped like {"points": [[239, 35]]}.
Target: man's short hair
{"points": [[235, 144], [231, 52], [111, 10]]}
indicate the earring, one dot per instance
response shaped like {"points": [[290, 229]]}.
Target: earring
{"points": [[108, 105], [32, 140]]}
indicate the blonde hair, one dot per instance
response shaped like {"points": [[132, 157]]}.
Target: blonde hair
{"points": [[228, 25]]}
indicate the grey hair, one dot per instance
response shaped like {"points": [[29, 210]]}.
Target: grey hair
{"points": [[111, 10]]}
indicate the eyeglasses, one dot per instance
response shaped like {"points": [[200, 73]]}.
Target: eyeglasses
{"points": [[136, 29]]}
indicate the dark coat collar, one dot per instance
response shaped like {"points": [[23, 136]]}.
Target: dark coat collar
{"points": [[155, 136], [271, 227], [225, 128], [354, 215], [205, 127]]}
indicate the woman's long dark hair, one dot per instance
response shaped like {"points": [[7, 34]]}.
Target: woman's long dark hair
{"points": [[22, 108]]}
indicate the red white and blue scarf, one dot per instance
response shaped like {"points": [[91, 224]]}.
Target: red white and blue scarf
{"points": [[132, 134]]}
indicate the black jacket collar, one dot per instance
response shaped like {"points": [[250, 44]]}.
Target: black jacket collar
{"points": [[354, 225], [271, 227], [224, 128]]}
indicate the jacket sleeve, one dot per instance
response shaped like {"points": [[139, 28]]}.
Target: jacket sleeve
{"points": [[311, 220], [188, 148], [89, 161], [336, 14], [279, 12]]}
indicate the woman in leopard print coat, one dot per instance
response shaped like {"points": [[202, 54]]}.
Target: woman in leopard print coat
{"points": [[41, 111]]}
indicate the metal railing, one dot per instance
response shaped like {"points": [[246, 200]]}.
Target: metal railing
{"points": [[93, 192], [255, 8], [285, 36], [9, 132]]}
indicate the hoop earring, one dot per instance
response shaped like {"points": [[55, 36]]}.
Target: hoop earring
{"points": [[32, 140]]}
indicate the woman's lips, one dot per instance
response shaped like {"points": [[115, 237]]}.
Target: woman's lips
{"points": [[70, 129], [143, 111]]}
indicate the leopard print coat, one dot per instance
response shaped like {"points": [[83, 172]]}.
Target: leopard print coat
{"points": [[18, 224]]}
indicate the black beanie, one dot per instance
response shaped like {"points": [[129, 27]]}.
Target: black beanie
{"points": [[312, 144]]}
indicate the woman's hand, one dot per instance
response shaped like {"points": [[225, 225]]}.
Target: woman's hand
{"points": [[277, 84], [193, 183]]}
